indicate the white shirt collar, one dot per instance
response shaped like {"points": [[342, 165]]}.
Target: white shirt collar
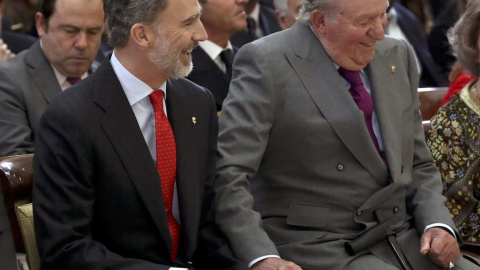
{"points": [[212, 49], [134, 88]]}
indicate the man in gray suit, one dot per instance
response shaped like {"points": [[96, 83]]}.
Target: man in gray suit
{"points": [[310, 161], [69, 41]]}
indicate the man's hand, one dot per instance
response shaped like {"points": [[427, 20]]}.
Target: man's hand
{"points": [[275, 264], [5, 53], [440, 245]]}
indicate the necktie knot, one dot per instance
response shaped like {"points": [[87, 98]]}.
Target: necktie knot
{"points": [[353, 77], [73, 80], [156, 97], [227, 57]]}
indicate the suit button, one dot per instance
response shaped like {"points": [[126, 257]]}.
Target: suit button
{"points": [[340, 167], [359, 213], [401, 169], [396, 209]]}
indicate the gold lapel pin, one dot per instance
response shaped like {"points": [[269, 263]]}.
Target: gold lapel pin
{"points": [[194, 120], [394, 69]]}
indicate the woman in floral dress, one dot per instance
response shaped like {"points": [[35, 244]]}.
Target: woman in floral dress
{"points": [[454, 134]]}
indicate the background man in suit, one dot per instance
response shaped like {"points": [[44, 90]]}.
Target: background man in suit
{"points": [[70, 33], [287, 12], [213, 58], [118, 185], [402, 23], [261, 21], [325, 159]]}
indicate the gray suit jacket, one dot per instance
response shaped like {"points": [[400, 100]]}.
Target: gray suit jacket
{"points": [[291, 133], [27, 85]]}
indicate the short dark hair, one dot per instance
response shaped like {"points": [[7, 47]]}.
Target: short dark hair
{"points": [[121, 15], [47, 7]]}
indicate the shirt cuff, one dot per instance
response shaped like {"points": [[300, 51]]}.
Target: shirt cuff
{"points": [[261, 258], [176, 268], [443, 226]]}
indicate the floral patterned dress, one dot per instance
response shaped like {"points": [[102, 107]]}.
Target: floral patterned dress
{"points": [[454, 140]]}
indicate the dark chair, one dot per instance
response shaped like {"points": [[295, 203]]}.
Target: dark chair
{"points": [[430, 100]]}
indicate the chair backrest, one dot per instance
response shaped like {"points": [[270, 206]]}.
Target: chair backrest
{"points": [[16, 178], [430, 100], [25, 219]]}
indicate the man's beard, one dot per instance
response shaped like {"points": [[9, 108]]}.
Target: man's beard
{"points": [[165, 56]]}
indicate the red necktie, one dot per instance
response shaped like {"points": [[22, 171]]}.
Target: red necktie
{"points": [[363, 100], [166, 164]]}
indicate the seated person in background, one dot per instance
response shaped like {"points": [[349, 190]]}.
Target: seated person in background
{"points": [[287, 12], [402, 23], [213, 58], [12, 42], [70, 33], [261, 21], [454, 133], [458, 79]]}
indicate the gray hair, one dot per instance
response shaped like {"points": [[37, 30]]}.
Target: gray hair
{"points": [[463, 37], [121, 15], [308, 6], [281, 6]]}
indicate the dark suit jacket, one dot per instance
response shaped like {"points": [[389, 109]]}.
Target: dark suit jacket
{"points": [[17, 42], [207, 74], [97, 195], [432, 74], [268, 23], [7, 249]]}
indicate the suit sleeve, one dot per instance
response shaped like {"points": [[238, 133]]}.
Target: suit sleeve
{"points": [[64, 195], [245, 123], [15, 131], [213, 251], [425, 201]]}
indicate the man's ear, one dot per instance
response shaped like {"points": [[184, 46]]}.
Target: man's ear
{"points": [[143, 35], [40, 24], [318, 21]]}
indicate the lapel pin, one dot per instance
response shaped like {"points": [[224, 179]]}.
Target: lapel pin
{"points": [[194, 120], [394, 69]]}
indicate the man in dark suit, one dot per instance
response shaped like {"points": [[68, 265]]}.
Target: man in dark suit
{"points": [[213, 58], [69, 39], [125, 159], [321, 145], [402, 23], [261, 21]]}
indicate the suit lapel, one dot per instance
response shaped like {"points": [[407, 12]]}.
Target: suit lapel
{"points": [[209, 75], [386, 88], [42, 72], [118, 124], [332, 98], [180, 111]]}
